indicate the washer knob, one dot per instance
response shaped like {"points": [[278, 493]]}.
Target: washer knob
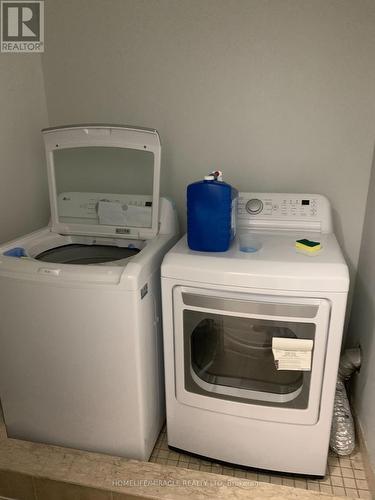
{"points": [[254, 206]]}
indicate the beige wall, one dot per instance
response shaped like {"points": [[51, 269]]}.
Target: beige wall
{"points": [[23, 186], [279, 94], [362, 325]]}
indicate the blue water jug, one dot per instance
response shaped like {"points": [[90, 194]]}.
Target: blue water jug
{"points": [[211, 214]]}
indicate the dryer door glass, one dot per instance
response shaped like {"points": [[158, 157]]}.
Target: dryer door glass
{"points": [[231, 357]]}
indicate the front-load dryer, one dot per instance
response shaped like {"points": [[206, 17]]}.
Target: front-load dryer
{"points": [[80, 311], [252, 338]]}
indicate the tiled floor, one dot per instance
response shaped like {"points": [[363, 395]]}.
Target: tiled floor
{"points": [[345, 476]]}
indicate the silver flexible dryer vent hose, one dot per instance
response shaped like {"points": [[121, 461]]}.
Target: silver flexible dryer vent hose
{"points": [[342, 439]]}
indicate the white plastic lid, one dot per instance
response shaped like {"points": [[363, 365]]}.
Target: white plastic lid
{"points": [[104, 180], [217, 174]]}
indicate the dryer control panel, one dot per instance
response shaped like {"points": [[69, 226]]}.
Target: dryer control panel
{"points": [[285, 211]]}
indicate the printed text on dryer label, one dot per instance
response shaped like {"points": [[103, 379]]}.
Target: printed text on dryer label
{"points": [[292, 354]]}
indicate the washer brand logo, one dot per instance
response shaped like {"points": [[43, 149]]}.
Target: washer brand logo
{"points": [[22, 26]]}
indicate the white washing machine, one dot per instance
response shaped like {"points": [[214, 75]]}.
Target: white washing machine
{"points": [[80, 331], [252, 338]]}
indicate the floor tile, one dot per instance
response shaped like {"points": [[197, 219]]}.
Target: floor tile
{"points": [[349, 482], [357, 464], [351, 493], [326, 489], [228, 471], [173, 455], [313, 486], [206, 468], [193, 467], [288, 482], [326, 480], [241, 473], [339, 491], [300, 483], [173, 463], [347, 472], [182, 465], [345, 475], [278, 480], [337, 481], [365, 494], [334, 470], [345, 462], [362, 484], [333, 460], [264, 478], [359, 474]]}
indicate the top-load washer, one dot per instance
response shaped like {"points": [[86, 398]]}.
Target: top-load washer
{"points": [[80, 312], [252, 338]]}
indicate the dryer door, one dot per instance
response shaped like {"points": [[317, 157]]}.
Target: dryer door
{"points": [[225, 361]]}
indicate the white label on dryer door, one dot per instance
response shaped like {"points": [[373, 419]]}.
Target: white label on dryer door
{"points": [[292, 354]]}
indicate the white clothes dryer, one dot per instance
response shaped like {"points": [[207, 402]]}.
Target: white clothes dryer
{"points": [[80, 311], [252, 338]]}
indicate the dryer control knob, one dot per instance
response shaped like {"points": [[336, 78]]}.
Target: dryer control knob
{"points": [[254, 206]]}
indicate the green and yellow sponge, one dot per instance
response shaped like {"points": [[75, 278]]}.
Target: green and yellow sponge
{"points": [[308, 245]]}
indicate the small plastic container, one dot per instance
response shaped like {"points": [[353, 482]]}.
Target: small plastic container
{"points": [[249, 244], [211, 214]]}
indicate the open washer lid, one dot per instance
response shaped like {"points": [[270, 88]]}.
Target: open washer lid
{"points": [[104, 180]]}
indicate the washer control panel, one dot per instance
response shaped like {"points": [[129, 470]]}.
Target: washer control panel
{"points": [[280, 207]]}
